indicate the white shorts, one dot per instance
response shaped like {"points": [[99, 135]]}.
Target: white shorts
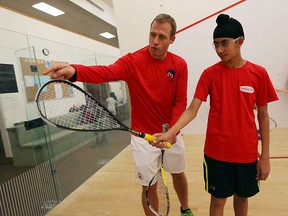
{"points": [[147, 159]]}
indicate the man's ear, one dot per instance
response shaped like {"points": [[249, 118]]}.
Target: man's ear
{"points": [[172, 39]]}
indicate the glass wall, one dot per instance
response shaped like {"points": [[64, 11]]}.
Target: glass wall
{"points": [[41, 165]]}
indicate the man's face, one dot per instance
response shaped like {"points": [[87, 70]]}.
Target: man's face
{"points": [[159, 39]]}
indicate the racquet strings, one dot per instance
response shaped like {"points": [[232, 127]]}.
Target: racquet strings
{"points": [[162, 203], [69, 107]]}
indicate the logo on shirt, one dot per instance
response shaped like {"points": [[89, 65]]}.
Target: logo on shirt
{"points": [[170, 75], [140, 176], [247, 89]]}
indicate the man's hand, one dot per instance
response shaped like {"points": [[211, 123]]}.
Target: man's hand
{"points": [[60, 71]]}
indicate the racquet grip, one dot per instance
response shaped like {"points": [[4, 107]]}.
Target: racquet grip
{"points": [[151, 138]]}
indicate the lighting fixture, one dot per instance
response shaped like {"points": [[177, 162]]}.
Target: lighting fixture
{"points": [[107, 35], [48, 9]]}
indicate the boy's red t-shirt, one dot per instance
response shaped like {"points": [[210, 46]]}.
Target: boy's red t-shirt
{"points": [[231, 131]]}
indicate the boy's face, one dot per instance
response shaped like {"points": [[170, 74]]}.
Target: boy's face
{"points": [[227, 48]]}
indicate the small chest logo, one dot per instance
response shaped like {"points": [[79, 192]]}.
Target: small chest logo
{"points": [[140, 176], [170, 75], [247, 89]]}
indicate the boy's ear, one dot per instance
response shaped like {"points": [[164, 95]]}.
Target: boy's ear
{"points": [[241, 40]]}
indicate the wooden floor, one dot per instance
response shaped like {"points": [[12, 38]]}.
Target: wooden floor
{"points": [[114, 191]]}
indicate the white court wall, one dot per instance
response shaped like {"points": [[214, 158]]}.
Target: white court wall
{"points": [[265, 25], [133, 17]]}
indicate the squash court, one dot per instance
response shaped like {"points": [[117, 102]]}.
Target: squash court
{"points": [[113, 189]]}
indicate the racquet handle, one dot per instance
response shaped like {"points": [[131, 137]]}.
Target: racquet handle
{"points": [[151, 138]]}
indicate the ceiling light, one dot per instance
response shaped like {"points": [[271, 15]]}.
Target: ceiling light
{"points": [[107, 35], [48, 9]]}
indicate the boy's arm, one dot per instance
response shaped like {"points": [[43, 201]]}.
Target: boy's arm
{"points": [[188, 115], [263, 168]]}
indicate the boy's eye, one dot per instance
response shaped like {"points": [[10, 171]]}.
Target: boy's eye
{"points": [[221, 44], [224, 43]]}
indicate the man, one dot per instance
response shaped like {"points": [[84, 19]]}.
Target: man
{"points": [[157, 81], [235, 85]]}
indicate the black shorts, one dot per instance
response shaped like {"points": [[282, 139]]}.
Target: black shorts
{"points": [[224, 179]]}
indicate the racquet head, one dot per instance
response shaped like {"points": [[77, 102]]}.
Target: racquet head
{"points": [[63, 104], [157, 196]]}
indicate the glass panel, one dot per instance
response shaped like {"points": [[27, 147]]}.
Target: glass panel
{"points": [[45, 163]]}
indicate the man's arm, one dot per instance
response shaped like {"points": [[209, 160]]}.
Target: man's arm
{"points": [[119, 70]]}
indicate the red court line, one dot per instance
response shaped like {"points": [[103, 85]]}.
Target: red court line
{"points": [[276, 157], [199, 21], [279, 157]]}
